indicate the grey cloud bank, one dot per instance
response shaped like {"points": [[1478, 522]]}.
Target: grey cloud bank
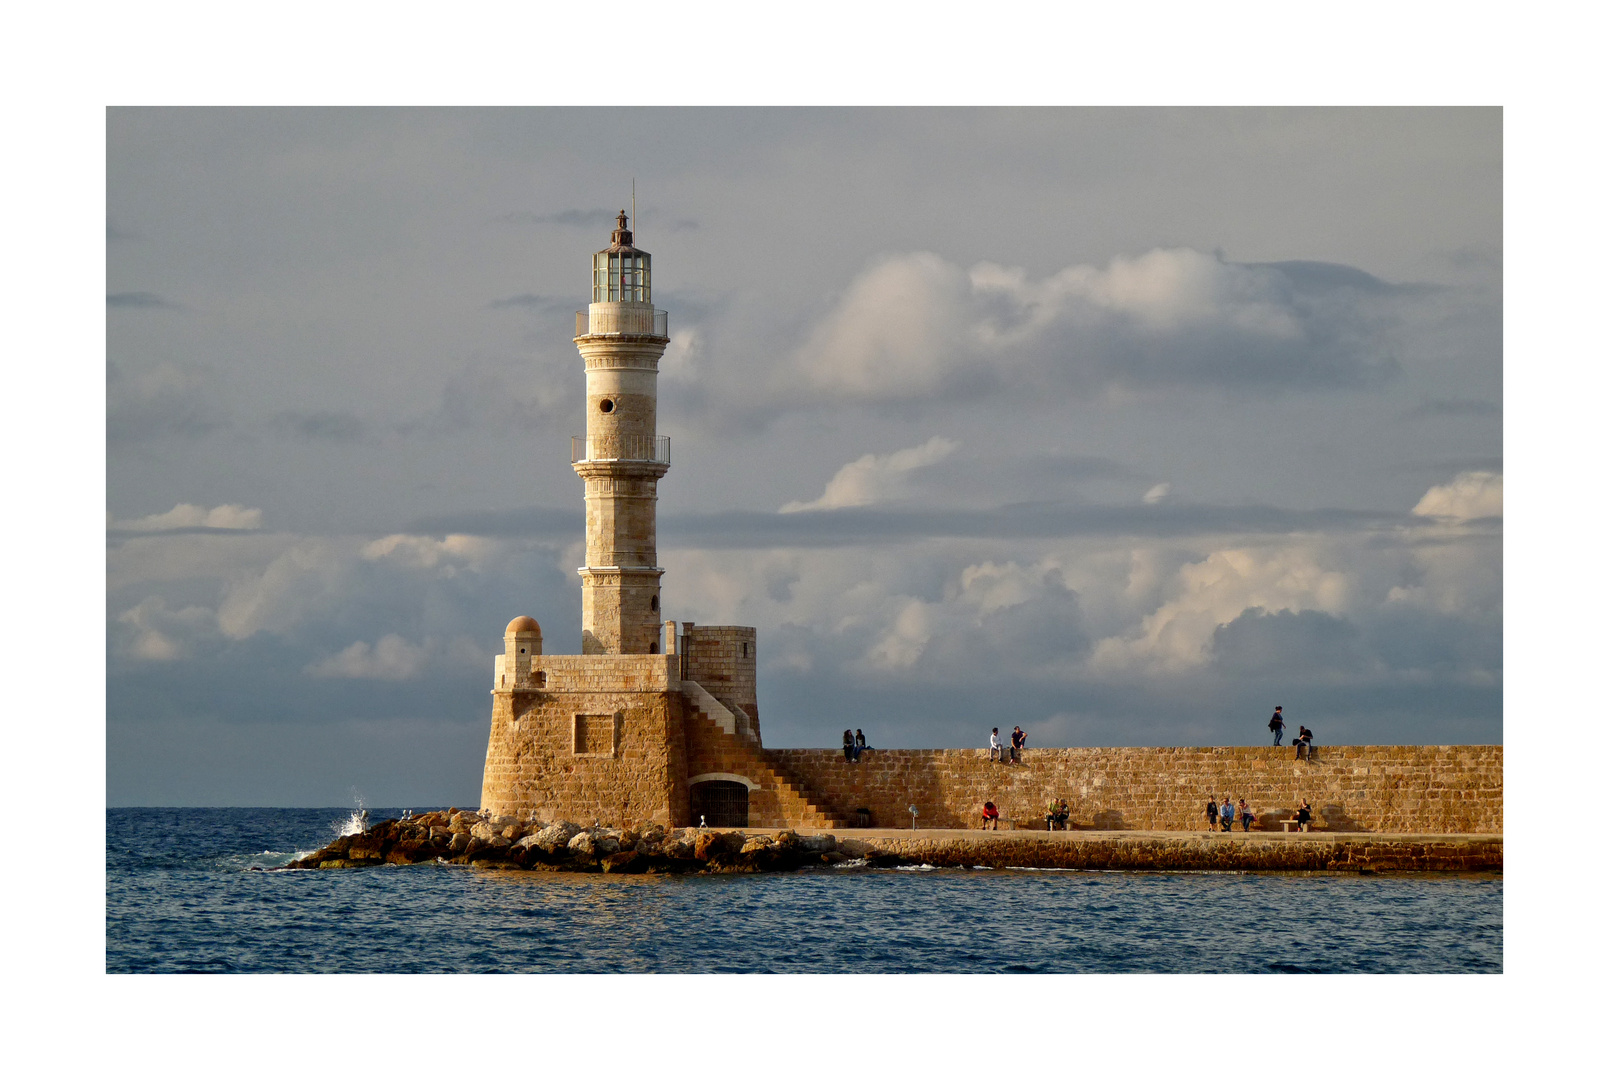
{"points": [[1038, 440]]}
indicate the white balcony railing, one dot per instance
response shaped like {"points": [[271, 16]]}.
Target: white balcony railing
{"points": [[655, 448], [632, 321]]}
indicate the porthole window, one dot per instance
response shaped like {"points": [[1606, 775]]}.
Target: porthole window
{"points": [[606, 405]]}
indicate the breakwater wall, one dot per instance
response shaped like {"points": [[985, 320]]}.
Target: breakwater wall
{"points": [[1202, 851], [1379, 789], [506, 843]]}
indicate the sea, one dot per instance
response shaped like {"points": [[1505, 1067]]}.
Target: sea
{"points": [[202, 890]]}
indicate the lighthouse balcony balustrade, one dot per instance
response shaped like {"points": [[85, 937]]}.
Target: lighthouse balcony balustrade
{"points": [[628, 322], [654, 448]]}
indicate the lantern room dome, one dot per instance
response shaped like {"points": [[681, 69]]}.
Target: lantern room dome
{"points": [[523, 625], [621, 271]]}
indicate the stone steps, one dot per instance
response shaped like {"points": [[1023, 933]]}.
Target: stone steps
{"points": [[799, 805]]}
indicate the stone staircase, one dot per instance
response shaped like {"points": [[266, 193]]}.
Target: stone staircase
{"points": [[724, 751]]}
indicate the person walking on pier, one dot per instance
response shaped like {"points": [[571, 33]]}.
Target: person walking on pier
{"points": [[996, 751], [1226, 815], [1212, 815], [1277, 724]]}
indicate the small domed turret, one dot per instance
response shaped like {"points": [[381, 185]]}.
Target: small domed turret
{"points": [[523, 623]]}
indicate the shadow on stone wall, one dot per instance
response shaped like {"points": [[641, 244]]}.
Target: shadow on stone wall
{"points": [[1336, 819], [1108, 820]]}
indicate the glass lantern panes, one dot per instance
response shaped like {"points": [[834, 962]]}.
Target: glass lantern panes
{"points": [[621, 275]]}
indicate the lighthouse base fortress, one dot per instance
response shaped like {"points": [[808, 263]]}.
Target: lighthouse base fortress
{"points": [[657, 722]]}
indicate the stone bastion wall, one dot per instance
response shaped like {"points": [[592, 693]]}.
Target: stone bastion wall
{"points": [[1395, 789]]}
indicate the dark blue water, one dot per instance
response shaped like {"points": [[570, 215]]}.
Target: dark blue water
{"points": [[182, 895]]}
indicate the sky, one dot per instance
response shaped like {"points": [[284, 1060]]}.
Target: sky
{"points": [[1121, 425]]}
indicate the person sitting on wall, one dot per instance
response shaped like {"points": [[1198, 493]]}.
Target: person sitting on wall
{"points": [[1226, 815], [1063, 813], [991, 816], [1050, 816], [1304, 744], [1019, 739], [1245, 816], [1303, 816], [860, 744], [1212, 815], [849, 745], [996, 751]]}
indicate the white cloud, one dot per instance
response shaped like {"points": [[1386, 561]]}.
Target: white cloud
{"points": [[1470, 495], [914, 326], [876, 477], [1157, 494], [901, 646], [188, 516], [305, 578], [426, 552], [157, 633], [390, 658], [1215, 590]]}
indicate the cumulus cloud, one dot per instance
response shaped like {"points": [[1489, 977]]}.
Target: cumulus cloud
{"points": [[189, 516], [914, 326], [876, 477], [390, 658], [426, 552], [154, 632], [1210, 592], [1157, 494], [1469, 495]]}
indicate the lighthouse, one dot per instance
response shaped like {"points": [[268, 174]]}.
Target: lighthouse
{"points": [[622, 456]]}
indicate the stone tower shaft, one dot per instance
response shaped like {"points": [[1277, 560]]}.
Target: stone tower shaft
{"points": [[622, 456]]}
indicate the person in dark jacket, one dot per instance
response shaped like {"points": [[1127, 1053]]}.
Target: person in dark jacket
{"points": [[1277, 724], [1304, 743], [849, 745], [1212, 814], [860, 743]]}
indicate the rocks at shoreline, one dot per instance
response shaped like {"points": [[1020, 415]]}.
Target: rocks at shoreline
{"points": [[464, 837]]}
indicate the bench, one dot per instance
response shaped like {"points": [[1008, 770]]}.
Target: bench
{"points": [[1288, 822]]}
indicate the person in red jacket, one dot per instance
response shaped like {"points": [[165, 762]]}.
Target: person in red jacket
{"points": [[991, 816]]}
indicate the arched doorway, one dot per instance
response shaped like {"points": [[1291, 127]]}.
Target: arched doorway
{"points": [[720, 803]]}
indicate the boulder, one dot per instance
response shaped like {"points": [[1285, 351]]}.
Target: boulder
{"points": [[817, 845], [583, 843], [654, 834], [755, 844], [623, 862], [482, 830], [708, 845], [459, 843], [605, 844], [556, 837]]}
